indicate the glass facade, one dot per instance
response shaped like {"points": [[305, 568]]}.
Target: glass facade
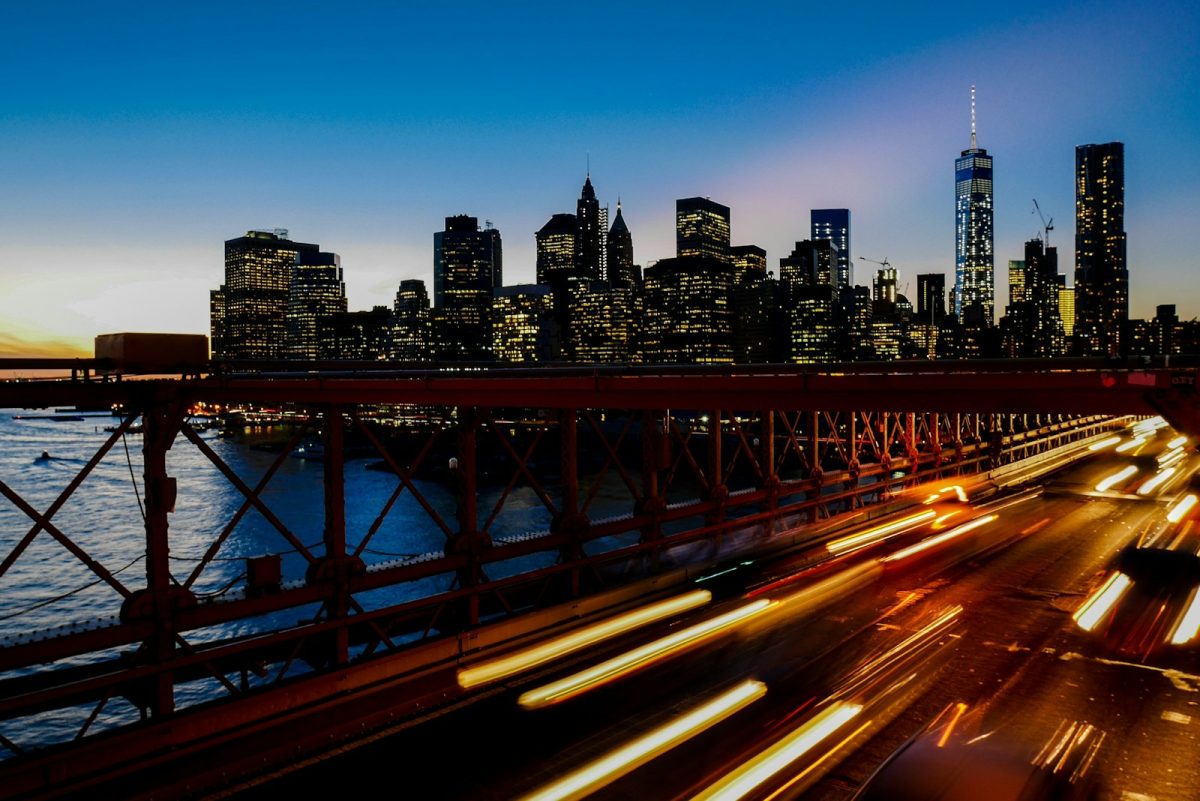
{"points": [[523, 327], [467, 267], [258, 276], [688, 319], [317, 292], [411, 340], [833, 225], [701, 229], [1101, 270], [974, 270]]}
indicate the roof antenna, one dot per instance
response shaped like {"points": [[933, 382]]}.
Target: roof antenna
{"points": [[589, 165], [974, 146]]}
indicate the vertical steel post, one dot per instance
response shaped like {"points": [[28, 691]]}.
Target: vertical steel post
{"points": [[814, 461], [467, 486], [651, 504], [718, 491], [337, 602], [571, 522], [159, 427]]}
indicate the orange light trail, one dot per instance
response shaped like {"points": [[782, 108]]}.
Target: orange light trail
{"points": [[511, 664], [618, 666], [932, 542]]}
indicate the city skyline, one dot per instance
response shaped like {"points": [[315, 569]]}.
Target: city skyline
{"points": [[117, 198]]}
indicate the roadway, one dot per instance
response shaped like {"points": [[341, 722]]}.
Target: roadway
{"points": [[873, 637]]}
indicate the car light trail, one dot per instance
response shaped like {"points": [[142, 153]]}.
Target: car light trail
{"points": [[612, 669], [879, 533], [1133, 443], [627, 758], [1116, 478], [1178, 442], [743, 780], [1104, 443], [1104, 599], [932, 542], [511, 664], [959, 708], [1189, 625], [1171, 457], [1181, 509], [1157, 481]]}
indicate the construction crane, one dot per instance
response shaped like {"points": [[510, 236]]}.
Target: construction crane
{"points": [[1047, 225], [883, 263]]}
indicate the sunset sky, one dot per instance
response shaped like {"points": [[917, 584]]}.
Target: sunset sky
{"points": [[136, 138]]}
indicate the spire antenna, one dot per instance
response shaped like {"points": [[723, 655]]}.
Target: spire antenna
{"points": [[974, 146]]}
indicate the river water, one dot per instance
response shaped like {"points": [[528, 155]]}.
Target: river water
{"points": [[48, 588]]}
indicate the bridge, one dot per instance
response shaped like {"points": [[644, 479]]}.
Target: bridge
{"points": [[194, 675]]}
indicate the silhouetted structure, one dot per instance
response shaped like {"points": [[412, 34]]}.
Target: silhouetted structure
{"points": [[411, 336], [316, 293], [701, 229], [974, 270], [258, 274], [688, 317], [467, 267], [833, 225], [1101, 271]]}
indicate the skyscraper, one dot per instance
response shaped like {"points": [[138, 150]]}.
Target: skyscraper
{"points": [[931, 297], [833, 225], [590, 234], [701, 228], [258, 275], [523, 326], [748, 260], [556, 248], [974, 272], [688, 319], [621, 270], [317, 292], [1101, 272], [467, 267], [409, 324]]}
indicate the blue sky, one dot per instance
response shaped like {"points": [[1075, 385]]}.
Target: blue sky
{"points": [[136, 138]]}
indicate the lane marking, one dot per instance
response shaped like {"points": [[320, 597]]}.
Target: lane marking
{"points": [[1187, 682], [1175, 717]]}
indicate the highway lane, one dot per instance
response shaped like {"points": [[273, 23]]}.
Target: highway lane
{"points": [[1004, 659]]}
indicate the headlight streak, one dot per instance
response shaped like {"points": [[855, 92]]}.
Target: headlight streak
{"points": [[1104, 443], [1181, 508], [611, 669], [1189, 623], [744, 779], [1178, 442], [511, 664], [1116, 478], [931, 542], [864, 674], [1133, 443], [959, 708], [629, 757], [1102, 601], [1156, 481], [879, 533], [1171, 457]]}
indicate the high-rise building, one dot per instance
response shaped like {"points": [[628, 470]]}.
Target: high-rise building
{"points": [[931, 297], [357, 336], [1101, 271], [620, 268], [884, 286], [758, 317], [467, 267], [688, 319], [748, 260], [604, 321], [556, 248], [411, 338], [1066, 309], [523, 326], [811, 263], [974, 272], [216, 321], [1016, 282], [1033, 325], [833, 225], [316, 293], [603, 242], [701, 229], [258, 276], [588, 241]]}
